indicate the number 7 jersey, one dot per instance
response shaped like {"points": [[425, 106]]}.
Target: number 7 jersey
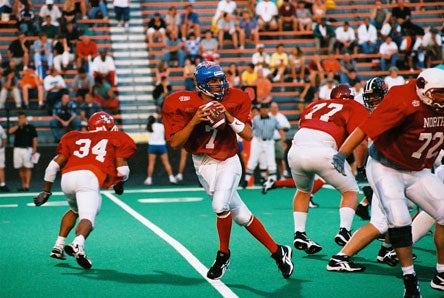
{"points": [[97, 152]]}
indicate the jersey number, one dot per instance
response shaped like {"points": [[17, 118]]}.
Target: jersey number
{"points": [[99, 149], [427, 137], [210, 144], [335, 107]]}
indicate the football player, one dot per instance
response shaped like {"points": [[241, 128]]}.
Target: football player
{"points": [[88, 161], [214, 154], [324, 125], [407, 130]]}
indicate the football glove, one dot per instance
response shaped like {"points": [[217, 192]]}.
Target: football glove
{"points": [[339, 161], [42, 198], [118, 188]]}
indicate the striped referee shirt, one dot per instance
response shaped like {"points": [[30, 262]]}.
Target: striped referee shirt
{"points": [[263, 127]]}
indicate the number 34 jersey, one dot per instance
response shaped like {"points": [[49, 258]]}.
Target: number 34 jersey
{"points": [[97, 152]]}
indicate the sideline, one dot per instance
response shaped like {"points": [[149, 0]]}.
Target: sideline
{"points": [[189, 257]]}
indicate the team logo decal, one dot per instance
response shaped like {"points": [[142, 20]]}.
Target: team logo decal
{"points": [[416, 103], [184, 98]]}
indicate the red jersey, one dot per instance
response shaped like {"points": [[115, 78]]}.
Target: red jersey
{"points": [[89, 49], [337, 117], [405, 130], [180, 107], [97, 152]]}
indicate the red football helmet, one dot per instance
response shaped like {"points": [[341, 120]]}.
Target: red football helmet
{"points": [[101, 121], [342, 91]]}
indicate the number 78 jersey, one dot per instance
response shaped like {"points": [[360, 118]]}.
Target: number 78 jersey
{"points": [[97, 152], [337, 117]]}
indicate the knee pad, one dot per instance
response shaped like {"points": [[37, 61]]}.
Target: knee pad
{"points": [[368, 193], [401, 237]]}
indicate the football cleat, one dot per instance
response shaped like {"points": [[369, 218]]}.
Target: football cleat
{"points": [[77, 252], [269, 184], [219, 266], [342, 237], [302, 242], [344, 263], [387, 256], [57, 253], [283, 260], [438, 281], [312, 204], [411, 287]]}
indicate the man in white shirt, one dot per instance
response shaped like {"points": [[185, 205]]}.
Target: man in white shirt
{"points": [[393, 79], [103, 65], [52, 10], [267, 12], [345, 39], [227, 6], [367, 36], [389, 53], [279, 145]]}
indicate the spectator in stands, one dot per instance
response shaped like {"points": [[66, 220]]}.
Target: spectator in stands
{"points": [[27, 21], [209, 47], [104, 95], [174, 49], [122, 11], [248, 28], [261, 60], [394, 79], [347, 64], [331, 64], [367, 36], [97, 9], [25, 145], [392, 29], [316, 71], [191, 48], [52, 10], [345, 39], [188, 74], [279, 63], [263, 88], [64, 117], [248, 76], [63, 51], [18, 50], [325, 89], [156, 29], [87, 108], [389, 53], [233, 75], [303, 17], [32, 87], [379, 15], [352, 78], [267, 13], [5, 7], [4, 141], [251, 7], [54, 85], [287, 16], [49, 28], [43, 54], [227, 29], [86, 51], [431, 43], [82, 84], [172, 20], [161, 70], [69, 12], [296, 60], [224, 6], [190, 21], [401, 12], [318, 10], [10, 87], [160, 92], [103, 65], [324, 36], [72, 34]]}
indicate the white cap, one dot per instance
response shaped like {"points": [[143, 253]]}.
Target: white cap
{"points": [[49, 2]]}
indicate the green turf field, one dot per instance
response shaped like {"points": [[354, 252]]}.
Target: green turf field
{"points": [[160, 243]]}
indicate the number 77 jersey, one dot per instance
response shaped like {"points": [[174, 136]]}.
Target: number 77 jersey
{"points": [[96, 151], [337, 117]]}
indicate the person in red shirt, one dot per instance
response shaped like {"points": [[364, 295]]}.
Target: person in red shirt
{"points": [[407, 130], [215, 158], [324, 126], [89, 160], [86, 51]]}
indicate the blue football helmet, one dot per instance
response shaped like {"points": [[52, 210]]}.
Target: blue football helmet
{"points": [[207, 71]]}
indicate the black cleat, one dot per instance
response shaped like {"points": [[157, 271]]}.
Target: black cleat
{"points": [[219, 266], [411, 287], [283, 260], [302, 242], [343, 263], [342, 237]]}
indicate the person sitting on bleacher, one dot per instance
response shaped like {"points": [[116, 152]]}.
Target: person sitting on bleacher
{"points": [[279, 63], [103, 65], [52, 10], [191, 48], [267, 12], [303, 17], [324, 35], [248, 28], [97, 9], [49, 28], [172, 20], [263, 88], [43, 54], [156, 29], [345, 39], [431, 43], [32, 87], [5, 7], [261, 60], [86, 51], [72, 34], [190, 21], [392, 29], [287, 16], [174, 49], [389, 53], [227, 29], [82, 85], [64, 117], [27, 21], [379, 15], [103, 94], [10, 86], [54, 85], [87, 108], [63, 51], [209, 47], [19, 49], [367, 36]]}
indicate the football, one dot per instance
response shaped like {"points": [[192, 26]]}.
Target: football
{"points": [[216, 117]]}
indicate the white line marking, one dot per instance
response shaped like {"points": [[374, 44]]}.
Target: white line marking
{"points": [[169, 200], [9, 206], [200, 268], [50, 204]]}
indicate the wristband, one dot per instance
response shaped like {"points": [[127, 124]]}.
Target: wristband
{"points": [[237, 126]]}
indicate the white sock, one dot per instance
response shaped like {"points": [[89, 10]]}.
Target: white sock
{"points": [[346, 215], [439, 267], [79, 240], [408, 270], [300, 218], [421, 225], [60, 241]]}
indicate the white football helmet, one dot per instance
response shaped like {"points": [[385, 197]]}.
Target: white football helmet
{"points": [[430, 87]]}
